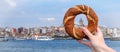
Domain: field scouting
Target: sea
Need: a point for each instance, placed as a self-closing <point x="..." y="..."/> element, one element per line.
<point x="50" y="46"/>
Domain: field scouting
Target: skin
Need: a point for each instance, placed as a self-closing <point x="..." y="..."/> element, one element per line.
<point x="96" y="42"/>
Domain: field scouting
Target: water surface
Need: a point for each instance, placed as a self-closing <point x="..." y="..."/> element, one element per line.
<point x="49" y="46"/>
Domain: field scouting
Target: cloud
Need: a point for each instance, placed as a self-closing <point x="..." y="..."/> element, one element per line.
<point x="11" y="3"/>
<point x="50" y="19"/>
<point x="47" y="19"/>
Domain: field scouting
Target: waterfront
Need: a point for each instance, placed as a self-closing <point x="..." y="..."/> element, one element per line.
<point x="49" y="46"/>
<point x="56" y="32"/>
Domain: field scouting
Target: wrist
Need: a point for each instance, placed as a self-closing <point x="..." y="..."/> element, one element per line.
<point x="104" y="48"/>
<point x="108" y="49"/>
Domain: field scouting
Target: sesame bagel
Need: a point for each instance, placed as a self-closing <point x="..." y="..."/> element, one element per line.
<point x="70" y="15"/>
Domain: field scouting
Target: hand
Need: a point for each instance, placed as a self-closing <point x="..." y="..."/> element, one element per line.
<point x="96" y="42"/>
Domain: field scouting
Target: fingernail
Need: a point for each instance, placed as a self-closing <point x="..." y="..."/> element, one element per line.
<point x="83" y="28"/>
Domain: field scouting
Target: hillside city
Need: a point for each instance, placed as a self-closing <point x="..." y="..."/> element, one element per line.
<point x="53" y="31"/>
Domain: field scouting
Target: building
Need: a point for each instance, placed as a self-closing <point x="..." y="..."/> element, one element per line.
<point x="37" y="30"/>
<point x="14" y="32"/>
<point x="20" y="30"/>
<point x="115" y="32"/>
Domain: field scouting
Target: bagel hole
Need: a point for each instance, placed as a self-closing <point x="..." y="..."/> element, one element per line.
<point x="80" y="21"/>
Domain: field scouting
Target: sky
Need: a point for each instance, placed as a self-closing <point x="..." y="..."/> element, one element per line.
<point x="35" y="13"/>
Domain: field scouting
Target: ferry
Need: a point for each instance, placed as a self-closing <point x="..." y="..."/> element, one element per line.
<point x="43" y="38"/>
<point x="2" y="38"/>
<point x="115" y="39"/>
<point x="19" y="38"/>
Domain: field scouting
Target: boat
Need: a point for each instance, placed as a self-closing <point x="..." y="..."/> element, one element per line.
<point x="115" y="39"/>
<point x="19" y="39"/>
<point x="2" y="38"/>
<point x="43" y="38"/>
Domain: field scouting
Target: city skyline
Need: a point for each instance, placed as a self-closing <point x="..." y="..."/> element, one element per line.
<point x="29" y="13"/>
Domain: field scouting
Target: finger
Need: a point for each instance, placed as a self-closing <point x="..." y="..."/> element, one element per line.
<point x="98" y="29"/>
<point x="84" y="42"/>
<point x="86" y="31"/>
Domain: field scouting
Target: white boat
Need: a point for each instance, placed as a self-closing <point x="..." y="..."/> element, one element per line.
<point x="43" y="38"/>
<point x="2" y="38"/>
<point x="115" y="39"/>
<point x="19" y="39"/>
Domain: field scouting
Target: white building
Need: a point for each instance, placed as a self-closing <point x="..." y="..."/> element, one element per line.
<point x="116" y="32"/>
